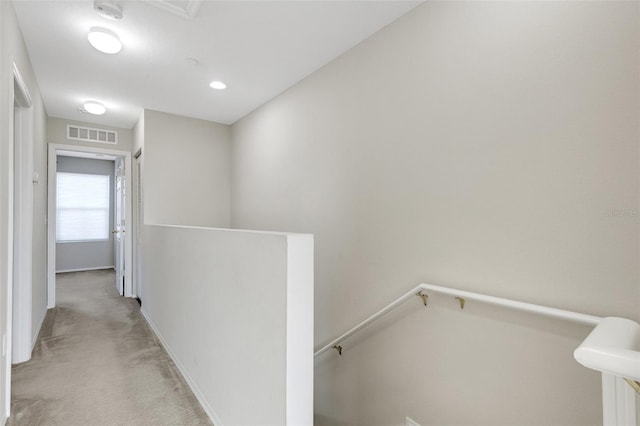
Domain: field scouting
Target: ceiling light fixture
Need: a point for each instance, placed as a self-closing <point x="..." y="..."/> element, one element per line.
<point x="95" y="108"/>
<point x="105" y="40"/>
<point x="218" y="85"/>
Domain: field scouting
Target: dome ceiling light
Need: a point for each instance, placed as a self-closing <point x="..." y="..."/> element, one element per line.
<point x="93" y="107"/>
<point x="218" y="85"/>
<point x="104" y="40"/>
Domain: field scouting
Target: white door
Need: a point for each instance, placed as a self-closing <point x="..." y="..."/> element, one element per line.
<point x="119" y="225"/>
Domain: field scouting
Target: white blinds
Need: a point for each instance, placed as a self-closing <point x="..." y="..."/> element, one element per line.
<point x="82" y="207"/>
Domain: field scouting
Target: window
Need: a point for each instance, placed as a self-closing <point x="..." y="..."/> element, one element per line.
<point x="82" y="207"/>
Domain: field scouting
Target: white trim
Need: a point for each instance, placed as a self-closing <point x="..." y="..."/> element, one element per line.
<point x="23" y="97"/>
<point x="54" y="150"/>
<point x="6" y="262"/>
<point x="34" y="340"/>
<point x="136" y="235"/>
<point x="23" y="234"/>
<point x="192" y="384"/>
<point x="82" y="241"/>
<point x="51" y="229"/>
<point x="19" y="294"/>
<point x="97" y="268"/>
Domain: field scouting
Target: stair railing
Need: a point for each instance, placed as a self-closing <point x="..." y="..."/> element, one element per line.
<point x="613" y="347"/>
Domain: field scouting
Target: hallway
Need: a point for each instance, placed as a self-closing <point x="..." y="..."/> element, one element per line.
<point x="98" y="363"/>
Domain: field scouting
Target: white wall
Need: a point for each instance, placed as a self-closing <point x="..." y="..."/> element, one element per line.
<point x="86" y="255"/>
<point x="491" y="146"/>
<point x="186" y="170"/>
<point x="57" y="133"/>
<point x="235" y="310"/>
<point x="12" y="49"/>
<point x="138" y="134"/>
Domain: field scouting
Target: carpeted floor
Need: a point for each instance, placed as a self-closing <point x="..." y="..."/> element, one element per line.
<point x="97" y="363"/>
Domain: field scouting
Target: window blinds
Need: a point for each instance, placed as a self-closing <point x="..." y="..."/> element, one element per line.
<point x="82" y="207"/>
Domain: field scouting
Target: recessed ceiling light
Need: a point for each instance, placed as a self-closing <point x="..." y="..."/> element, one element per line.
<point x="95" y="108"/>
<point x="104" y="40"/>
<point x="218" y="85"/>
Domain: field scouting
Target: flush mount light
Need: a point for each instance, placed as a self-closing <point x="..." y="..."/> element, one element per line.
<point x="218" y="85"/>
<point x="104" y="40"/>
<point x="95" y="108"/>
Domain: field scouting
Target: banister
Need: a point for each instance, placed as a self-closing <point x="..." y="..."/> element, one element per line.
<point x="462" y="296"/>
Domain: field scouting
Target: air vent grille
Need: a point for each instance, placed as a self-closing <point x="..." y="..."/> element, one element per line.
<point x="90" y="134"/>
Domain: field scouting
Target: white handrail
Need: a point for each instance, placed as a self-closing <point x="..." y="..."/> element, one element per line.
<point x="518" y="306"/>
<point x="391" y="306"/>
<point x="467" y="295"/>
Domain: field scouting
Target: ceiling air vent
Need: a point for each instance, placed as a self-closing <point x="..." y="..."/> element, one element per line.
<point x="89" y="134"/>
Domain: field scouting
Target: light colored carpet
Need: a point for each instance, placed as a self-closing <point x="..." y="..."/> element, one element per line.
<point x="98" y="363"/>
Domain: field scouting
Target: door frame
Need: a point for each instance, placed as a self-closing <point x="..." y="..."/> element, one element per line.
<point x="138" y="221"/>
<point x="22" y="132"/>
<point x="62" y="149"/>
<point x="16" y="173"/>
<point x="119" y="237"/>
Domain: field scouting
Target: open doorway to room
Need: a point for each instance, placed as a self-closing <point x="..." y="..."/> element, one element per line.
<point x="89" y="212"/>
<point x="85" y="214"/>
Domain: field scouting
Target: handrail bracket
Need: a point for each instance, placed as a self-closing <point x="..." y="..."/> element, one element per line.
<point x="462" y="301"/>
<point x="424" y="297"/>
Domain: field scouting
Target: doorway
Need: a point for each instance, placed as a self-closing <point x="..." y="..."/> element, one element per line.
<point x="120" y="196"/>
<point x="85" y="214"/>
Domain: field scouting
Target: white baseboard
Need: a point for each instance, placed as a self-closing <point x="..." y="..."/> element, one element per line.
<point x="35" y="336"/>
<point x="192" y="384"/>
<point x="85" y="269"/>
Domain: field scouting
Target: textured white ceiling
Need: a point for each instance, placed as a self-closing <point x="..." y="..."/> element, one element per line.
<point x="259" y="48"/>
